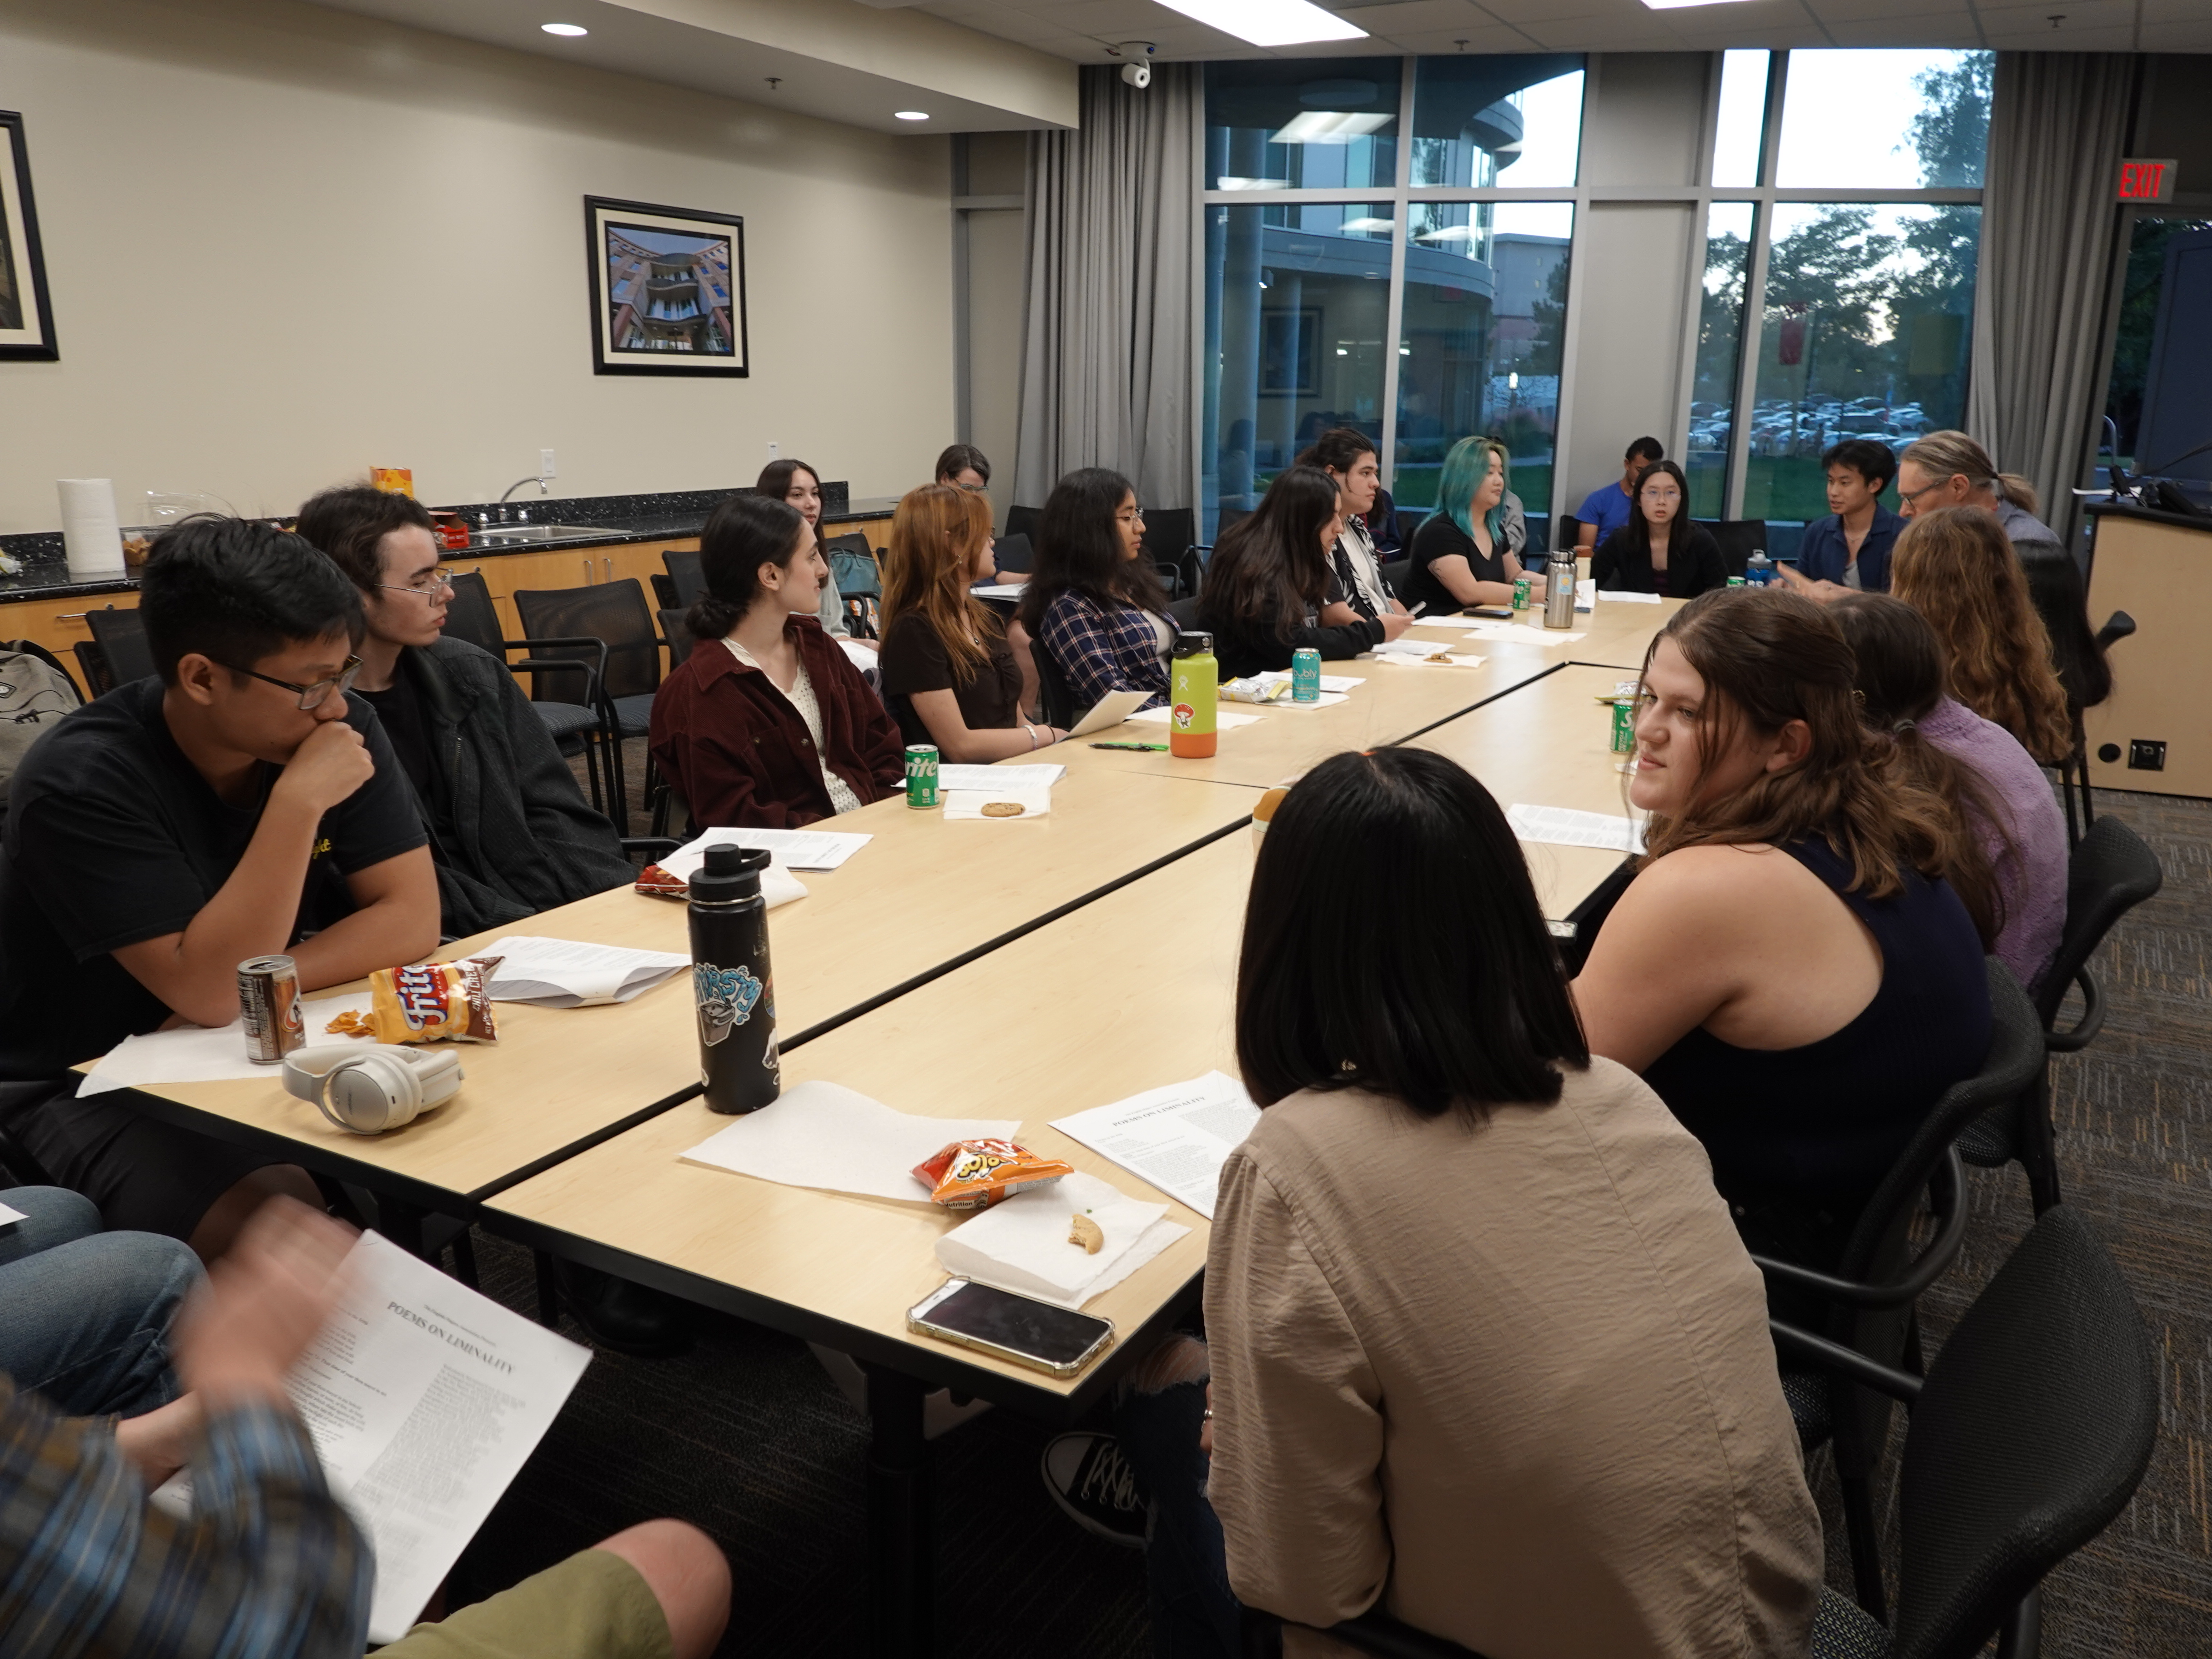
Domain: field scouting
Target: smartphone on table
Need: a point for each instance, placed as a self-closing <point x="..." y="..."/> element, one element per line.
<point x="1020" y="1328"/>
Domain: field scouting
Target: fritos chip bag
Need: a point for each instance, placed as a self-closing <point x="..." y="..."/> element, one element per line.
<point x="423" y="1004"/>
<point x="657" y="883"/>
<point x="973" y="1175"/>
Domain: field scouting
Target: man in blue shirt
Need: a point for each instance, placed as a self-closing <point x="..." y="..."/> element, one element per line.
<point x="1849" y="552"/>
<point x="1605" y="509"/>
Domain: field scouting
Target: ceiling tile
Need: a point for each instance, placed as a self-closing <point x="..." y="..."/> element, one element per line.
<point x="1901" y="32"/>
<point x="1418" y="16"/>
<point x="1603" y="34"/>
<point x="2176" y="11"/>
<point x="2119" y="38"/>
<point x="2077" y="15"/>
<point x="1832" y="12"/>
<point x="2178" y="36"/>
<point x="1479" y="38"/>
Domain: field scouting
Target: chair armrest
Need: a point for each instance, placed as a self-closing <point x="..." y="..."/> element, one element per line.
<point x="2084" y="1030"/>
<point x="1926" y="1269"/>
<point x="595" y="671"/>
<point x="1791" y="1342"/>
<point x="2118" y="627"/>
<point x="652" y="847"/>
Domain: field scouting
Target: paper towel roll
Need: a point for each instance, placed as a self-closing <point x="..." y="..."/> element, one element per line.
<point x="89" y="530"/>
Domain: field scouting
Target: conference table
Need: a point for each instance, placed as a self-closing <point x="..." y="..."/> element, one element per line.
<point x="1016" y="969"/>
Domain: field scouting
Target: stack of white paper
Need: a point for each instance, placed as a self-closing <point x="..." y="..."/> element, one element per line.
<point x="1612" y="593"/>
<point x="873" y="1149"/>
<point x="1021" y="1245"/>
<point x="561" y="973"/>
<point x="1563" y="826"/>
<point x="794" y="849"/>
<point x="1176" y="1137"/>
<point x="199" y="1053"/>
<point x="951" y="776"/>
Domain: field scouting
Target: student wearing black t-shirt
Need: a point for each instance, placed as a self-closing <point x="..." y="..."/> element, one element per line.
<point x="949" y="678"/>
<point x="510" y="831"/>
<point x="240" y="807"/>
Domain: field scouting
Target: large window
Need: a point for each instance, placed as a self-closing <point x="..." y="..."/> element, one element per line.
<point x="2147" y="240"/>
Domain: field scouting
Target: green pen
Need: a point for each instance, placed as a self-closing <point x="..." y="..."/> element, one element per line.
<point x="1154" y="746"/>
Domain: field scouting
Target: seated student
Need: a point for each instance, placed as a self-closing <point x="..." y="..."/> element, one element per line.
<point x="1607" y="508"/>
<point x="1267" y="582"/>
<point x="1094" y="603"/>
<point x="238" y="805"/>
<point x="1484" y="1351"/>
<point x="949" y="678"/>
<point x="1956" y="567"/>
<point x="510" y="831"/>
<point x="1848" y="552"/>
<point x="964" y="466"/>
<point x="1355" y="577"/>
<point x="799" y="486"/>
<point x="1959" y="757"/>
<point x="1784" y="969"/>
<point x="1660" y="549"/>
<point x="772" y="726"/>
<point x="2055" y="588"/>
<point x="1949" y="468"/>
<point x="1468" y="550"/>
<point x="270" y="1563"/>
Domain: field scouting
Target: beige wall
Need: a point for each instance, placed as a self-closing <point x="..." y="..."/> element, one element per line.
<point x="286" y="243"/>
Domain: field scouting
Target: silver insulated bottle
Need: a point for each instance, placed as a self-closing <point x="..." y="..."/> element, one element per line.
<point x="1560" y="590"/>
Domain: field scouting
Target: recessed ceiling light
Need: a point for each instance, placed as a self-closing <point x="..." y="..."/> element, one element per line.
<point x="1676" y="5"/>
<point x="1328" y="126"/>
<point x="912" y="114"/>
<point x="1269" y="22"/>
<point x="569" y="30"/>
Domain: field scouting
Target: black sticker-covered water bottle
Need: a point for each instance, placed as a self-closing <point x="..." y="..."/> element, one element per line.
<point x="731" y="981"/>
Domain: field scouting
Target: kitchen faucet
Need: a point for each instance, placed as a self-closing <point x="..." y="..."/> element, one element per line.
<point x="539" y="479"/>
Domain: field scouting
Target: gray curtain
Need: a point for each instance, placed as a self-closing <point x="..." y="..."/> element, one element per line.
<point x="2056" y="138"/>
<point x="1107" y="338"/>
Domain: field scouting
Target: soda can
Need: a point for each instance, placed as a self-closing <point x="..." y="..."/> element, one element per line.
<point x="1306" y="676"/>
<point x="1520" y="592"/>
<point x="269" y="998"/>
<point x="1735" y="582"/>
<point x="921" y="775"/>
<point x="1624" y="728"/>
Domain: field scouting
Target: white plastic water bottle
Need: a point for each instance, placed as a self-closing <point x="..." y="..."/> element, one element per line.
<point x="1759" y="569"/>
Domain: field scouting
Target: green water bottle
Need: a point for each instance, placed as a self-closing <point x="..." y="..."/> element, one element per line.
<point x="1193" y="684"/>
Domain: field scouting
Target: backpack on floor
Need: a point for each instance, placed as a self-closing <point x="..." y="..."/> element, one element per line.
<point x="34" y="693"/>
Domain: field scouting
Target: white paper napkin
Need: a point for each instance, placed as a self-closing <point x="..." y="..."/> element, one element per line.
<point x="200" y="1053"/>
<point x="1034" y="800"/>
<point x="825" y="1135"/>
<point x="1021" y="1245"/>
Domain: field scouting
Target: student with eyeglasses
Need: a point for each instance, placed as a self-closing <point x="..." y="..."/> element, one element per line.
<point x="1660" y="549"/>
<point x="239" y="805"/>
<point x="510" y="830"/>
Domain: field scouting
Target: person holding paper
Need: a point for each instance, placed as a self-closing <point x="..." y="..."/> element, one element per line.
<point x="1265" y="592"/>
<point x="238" y="805"/>
<point x="1484" y="1350"/>
<point x="511" y="833"/>
<point x="1468" y="550"/>
<point x="950" y="677"/>
<point x="1791" y="969"/>
<point x="774" y="728"/>
<point x="270" y="1563"/>
<point x="1094" y="603"/>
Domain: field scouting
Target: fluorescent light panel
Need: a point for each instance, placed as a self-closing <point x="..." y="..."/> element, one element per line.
<point x="1328" y="126"/>
<point x="1677" y="5"/>
<point x="1269" y="22"/>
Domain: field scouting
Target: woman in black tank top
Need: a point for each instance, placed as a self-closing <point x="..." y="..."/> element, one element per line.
<point x="1790" y="971"/>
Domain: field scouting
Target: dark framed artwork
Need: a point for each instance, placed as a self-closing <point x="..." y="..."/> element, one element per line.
<point x="1290" y="353"/>
<point x="27" y="316"/>
<point x="668" y="289"/>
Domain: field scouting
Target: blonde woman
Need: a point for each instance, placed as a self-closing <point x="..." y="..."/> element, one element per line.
<point x="1956" y="567"/>
<point x="950" y="677"/>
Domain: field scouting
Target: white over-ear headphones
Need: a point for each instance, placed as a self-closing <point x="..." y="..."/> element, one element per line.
<point x="370" y="1090"/>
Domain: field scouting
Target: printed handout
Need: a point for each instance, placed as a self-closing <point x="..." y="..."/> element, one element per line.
<point x="1562" y="826"/>
<point x="1176" y="1137"/>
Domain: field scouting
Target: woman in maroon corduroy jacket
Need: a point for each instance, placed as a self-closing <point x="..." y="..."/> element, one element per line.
<point x="767" y="725"/>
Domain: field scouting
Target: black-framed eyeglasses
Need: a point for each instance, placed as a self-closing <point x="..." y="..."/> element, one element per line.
<point x="1910" y="496"/>
<point x="438" y="585"/>
<point x="311" y="696"/>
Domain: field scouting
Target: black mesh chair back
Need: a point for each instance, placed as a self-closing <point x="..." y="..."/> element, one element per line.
<point x="1014" y="553"/>
<point x="664" y="591"/>
<point x="1053" y="691"/>
<point x="1230" y="519"/>
<point x="1570" y="531"/>
<point x="687" y="575"/>
<point x="1185" y="612"/>
<point x="2109" y="873"/>
<point x="471" y="615"/>
<point x="680" y="639"/>
<point x="1168" y="531"/>
<point x="121" y="635"/>
<point x="92" y="667"/>
<point x="1738" y="538"/>
<point x="1393" y="577"/>
<point x="1021" y="521"/>
<point x="614" y="611"/>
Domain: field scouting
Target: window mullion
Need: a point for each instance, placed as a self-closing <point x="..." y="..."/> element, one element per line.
<point x="1394" y="310"/>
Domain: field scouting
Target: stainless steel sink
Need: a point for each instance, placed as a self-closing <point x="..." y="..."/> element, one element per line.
<point x="492" y="535"/>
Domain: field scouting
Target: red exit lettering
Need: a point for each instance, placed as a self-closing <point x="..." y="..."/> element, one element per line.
<point x="2147" y="181"/>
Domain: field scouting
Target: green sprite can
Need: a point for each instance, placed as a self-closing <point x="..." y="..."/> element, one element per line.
<point x="1520" y="592"/>
<point x="921" y="775"/>
<point x="1624" y="727"/>
<point x="1735" y="582"/>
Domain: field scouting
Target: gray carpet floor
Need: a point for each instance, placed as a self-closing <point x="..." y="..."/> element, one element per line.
<point x="748" y="1437"/>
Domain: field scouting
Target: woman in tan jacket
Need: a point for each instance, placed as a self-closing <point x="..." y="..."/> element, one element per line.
<point x="1484" y="1348"/>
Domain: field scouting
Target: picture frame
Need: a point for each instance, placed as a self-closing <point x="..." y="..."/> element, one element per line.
<point x="27" y="315"/>
<point x="1290" y="353"/>
<point x="668" y="289"/>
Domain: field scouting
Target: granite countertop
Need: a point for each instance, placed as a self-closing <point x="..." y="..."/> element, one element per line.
<point x="595" y="521"/>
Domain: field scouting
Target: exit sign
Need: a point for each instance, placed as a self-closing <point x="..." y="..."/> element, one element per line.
<point x="2147" y="181"/>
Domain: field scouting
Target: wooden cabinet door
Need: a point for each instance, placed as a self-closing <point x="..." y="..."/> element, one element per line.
<point x="58" y="624"/>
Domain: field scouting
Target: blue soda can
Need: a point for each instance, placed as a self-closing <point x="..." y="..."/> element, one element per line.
<point x="1306" y="676"/>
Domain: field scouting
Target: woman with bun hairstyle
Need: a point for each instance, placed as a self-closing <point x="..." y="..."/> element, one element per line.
<point x="767" y="724"/>
<point x="1789" y="970"/>
<point x="1660" y="549"/>
<point x="2009" y="866"/>
<point x="950" y="677"/>
<point x="1094" y="603"/>
<point x="798" y="487"/>
<point x="1267" y="582"/>
<point x="1957" y="567"/>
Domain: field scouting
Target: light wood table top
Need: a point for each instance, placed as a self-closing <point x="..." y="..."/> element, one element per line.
<point x="1133" y="991"/>
<point x="924" y="892"/>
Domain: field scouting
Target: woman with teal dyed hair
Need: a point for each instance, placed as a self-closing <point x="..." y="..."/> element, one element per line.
<point x="1468" y="550"/>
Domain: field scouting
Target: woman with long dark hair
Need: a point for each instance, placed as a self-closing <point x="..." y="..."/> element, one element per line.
<point x="1094" y="603"/>
<point x="1268" y="580"/>
<point x="767" y="723"/>
<point x="1660" y="549"/>
<point x="1789" y="970"/>
<point x="2055" y="588"/>
<point x="1475" y="1318"/>
<point x="798" y="487"/>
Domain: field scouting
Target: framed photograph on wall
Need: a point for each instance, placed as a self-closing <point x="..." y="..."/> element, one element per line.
<point x="26" y="317"/>
<point x="668" y="289"/>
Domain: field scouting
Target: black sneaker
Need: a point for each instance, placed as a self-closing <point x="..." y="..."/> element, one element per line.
<point x="1093" y="1483"/>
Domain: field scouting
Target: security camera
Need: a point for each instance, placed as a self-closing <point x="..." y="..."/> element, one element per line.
<point x="1138" y="75"/>
<point x="1138" y="71"/>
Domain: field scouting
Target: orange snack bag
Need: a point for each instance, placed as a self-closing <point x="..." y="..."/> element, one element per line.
<point x="424" y="1003"/>
<point x="973" y="1175"/>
